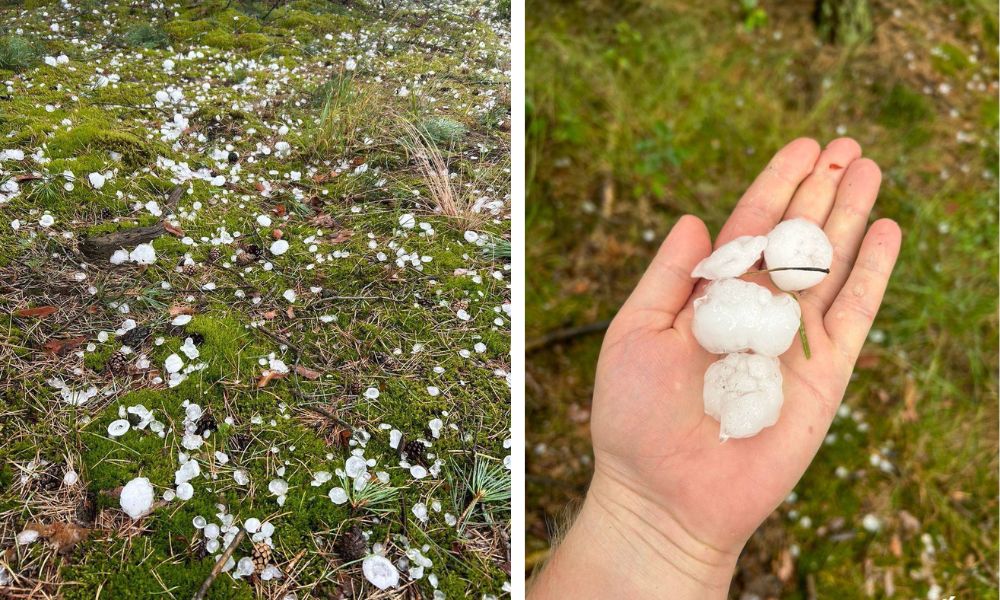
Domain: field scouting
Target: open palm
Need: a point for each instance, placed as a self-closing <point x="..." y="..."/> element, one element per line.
<point x="657" y="453"/>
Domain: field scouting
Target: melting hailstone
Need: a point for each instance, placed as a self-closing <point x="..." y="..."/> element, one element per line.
<point x="736" y="315"/>
<point x="137" y="497"/>
<point x="380" y="571"/>
<point x="797" y="243"/>
<point x="743" y="393"/>
<point x="732" y="259"/>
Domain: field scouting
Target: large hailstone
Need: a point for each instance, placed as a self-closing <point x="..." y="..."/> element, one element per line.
<point x="736" y="315"/>
<point x="380" y="571"/>
<point x="797" y="243"/>
<point x="732" y="259"/>
<point x="743" y="393"/>
<point x="137" y="497"/>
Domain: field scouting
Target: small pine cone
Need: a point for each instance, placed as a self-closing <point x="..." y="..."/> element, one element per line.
<point x="50" y="479"/>
<point x="254" y="250"/>
<point x="261" y="556"/>
<point x="244" y="258"/>
<point x="214" y="254"/>
<point x="351" y="545"/>
<point x="206" y="423"/>
<point x="415" y="451"/>
<point x="134" y="337"/>
<point x="117" y="364"/>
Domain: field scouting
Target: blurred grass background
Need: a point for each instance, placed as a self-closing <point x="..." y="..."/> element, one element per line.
<point x="643" y="110"/>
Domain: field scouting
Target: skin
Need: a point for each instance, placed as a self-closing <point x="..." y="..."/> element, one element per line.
<point x="670" y="507"/>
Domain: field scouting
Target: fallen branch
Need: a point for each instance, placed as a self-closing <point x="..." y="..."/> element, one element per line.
<point x="219" y="564"/>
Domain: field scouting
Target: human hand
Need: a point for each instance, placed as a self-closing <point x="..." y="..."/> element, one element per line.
<point x="670" y="506"/>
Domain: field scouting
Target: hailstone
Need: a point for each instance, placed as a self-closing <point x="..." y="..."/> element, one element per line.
<point x="732" y="259"/>
<point x="736" y="315"/>
<point x="743" y="393"/>
<point x="797" y="243"/>
<point x="137" y="497"/>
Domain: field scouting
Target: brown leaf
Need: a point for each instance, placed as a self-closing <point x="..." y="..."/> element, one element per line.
<point x="341" y="236"/>
<point x="27" y="177"/>
<point x="180" y="309"/>
<point x="307" y="372"/>
<point x="896" y="546"/>
<point x="260" y="186"/>
<point x="324" y="220"/>
<point x="324" y="177"/>
<point x="290" y="312"/>
<point x="277" y="234"/>
<point x="280" y="210"/>
<point x="62" y="535"/>
<point x="270" y="315"/>
<point x="63" y="345"/>
<point x="357" y="161"/>
<point x="910" y="401"/>
<point x="786" y="568"/>
<point x="267" y="377"/>
<point x="172" y="229"/>
<point x="37" y="311"/>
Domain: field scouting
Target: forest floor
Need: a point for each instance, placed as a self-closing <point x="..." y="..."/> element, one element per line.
<point x="257" y="255"/>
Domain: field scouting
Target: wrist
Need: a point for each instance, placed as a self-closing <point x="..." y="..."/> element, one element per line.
<point x="622" y="544"/>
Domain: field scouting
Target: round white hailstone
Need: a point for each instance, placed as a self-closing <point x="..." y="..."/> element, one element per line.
<point x="736" y="315"/>
<point x="212" y="545"/>
<point x="270" y="572"/>
<point x="355" y="466"/>
<point x="380" y="572"/>
<point x="168" y="65"/>
<point x="47" y="220"/>
<point x="144" y="254"/>
<point x="187" y="472"/>
<point x="279" y="247"/>
<point x="118" y="428"/>
<point x="471" y="237"/>
<point x="185" y="491"/>
<point x="743" y="392"/>
<point x="241" y="477"/>
<point x="871" y="523"/>
<point x="199" y="522"/>
<point x="435" y="427"/>
<point x="267" y="528"/>
<point x="245" y="566"/>
<point x="137" y="497"/>
<point x="70" y="477"/>
<point x="252" y="525"/>
<point x="173" y="363"/>
<point x="797" y="243"/>
<point x="407" y="221"/>
<point x="732" y="259"/>
<point x="211" y="531"/>
<point x="96" y="180"/>
<point x="264" y="221"/>
<point x="418" y="472"/>
<point x="119" y="256"/>
<point x="338" y="495"/>
<point x="395" y="436"/>
<point x="193" y="411"/>
<point x="278" y="487"/>
<point x="26" y="537"/>
<point x="181" y="320"/>
<point x="289" y="295"/>
<point x="371" y="393"/>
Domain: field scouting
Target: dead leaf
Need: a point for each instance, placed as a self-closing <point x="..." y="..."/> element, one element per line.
<point x="37" y="311"/>
<point x="896" y="546"/>
<point x="277" y="234"/>
<point x="910" y="401"/>
<point x="341" y="236"/>
<point x="324" y="220"/>
<point x="307" y="372"/>
<point x="869" y="360"/>
<point x="267" y="377"/>
<point x="63" y="536"/>
<point x="180" y="309"/>
<point x="324" y="177"/>
<point x="172" y="229"/>
<point x="786" y="568"/>
<point x="270" y="315"/>
<point x="64" y="345"/>
<point x="280" y="210"/>
<point x="260" y="186"/>
<point x="290" y="312"/>
<point x="357" y="161"/>
<point x="27" y="177"/>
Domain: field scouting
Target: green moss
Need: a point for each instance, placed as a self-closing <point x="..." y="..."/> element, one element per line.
<point x="147" y="36"/>
<point x="102" y="137"/>
<point x="182" y="30"/>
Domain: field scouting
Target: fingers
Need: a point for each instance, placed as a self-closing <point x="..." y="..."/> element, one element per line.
<point x="851" y="315"/>
<point x="765" y="201"/>
<point x="814" y="198"/>
<point x="667" y="283"/>
<point x="846" y="227"/>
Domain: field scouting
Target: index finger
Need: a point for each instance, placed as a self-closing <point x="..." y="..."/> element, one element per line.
<point x="765" y="201"/>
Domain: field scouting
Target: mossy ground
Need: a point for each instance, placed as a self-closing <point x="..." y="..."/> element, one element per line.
<point x="360" y="319"/>
<point x="674" y="108"/>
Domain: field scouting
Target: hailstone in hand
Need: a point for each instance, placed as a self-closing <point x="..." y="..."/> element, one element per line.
<point x="743" y="393"/>
<point x="732" y="259"/>
<point x="736" y="315"/>
<point x="797" y="243"/>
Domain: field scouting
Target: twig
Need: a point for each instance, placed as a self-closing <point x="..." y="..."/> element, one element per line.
<point x="219" y="564"/>
<point x="563" y="335"/>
